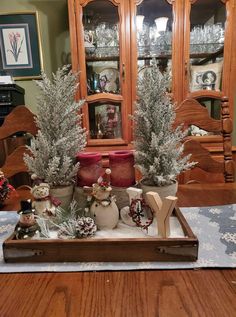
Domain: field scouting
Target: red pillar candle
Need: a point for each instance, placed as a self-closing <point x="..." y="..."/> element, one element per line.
<point x="122" y="168"/>
<point x="90" y="168"/>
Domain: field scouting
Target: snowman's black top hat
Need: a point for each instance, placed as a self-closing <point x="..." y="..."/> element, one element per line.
<point x="26" y="207"/>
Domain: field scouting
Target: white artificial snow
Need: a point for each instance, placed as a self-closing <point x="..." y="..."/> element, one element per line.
<point x="124" y="231"/>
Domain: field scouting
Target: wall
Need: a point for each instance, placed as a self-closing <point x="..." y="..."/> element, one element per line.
<point x="54" y="31"/>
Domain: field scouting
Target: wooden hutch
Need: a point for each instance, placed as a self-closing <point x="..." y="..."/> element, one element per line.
<point x="113" y="41"/>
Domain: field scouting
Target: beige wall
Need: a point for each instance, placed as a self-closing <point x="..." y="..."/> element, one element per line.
<point x="54" y="31"/>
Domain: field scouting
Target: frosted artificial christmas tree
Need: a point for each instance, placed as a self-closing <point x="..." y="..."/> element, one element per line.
<point x="158" y="147"/>
<point x="60" y="135"/>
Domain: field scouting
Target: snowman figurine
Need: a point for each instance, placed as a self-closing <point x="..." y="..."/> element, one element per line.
<point x="103" y="208"/>
<point x="44" y="204"/>
<point x="27" y="227"/>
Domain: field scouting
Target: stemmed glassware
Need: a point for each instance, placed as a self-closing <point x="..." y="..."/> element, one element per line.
<point x="105" y="40"/>
<point x="207" y="38"/>
<point x="203" y="39"/>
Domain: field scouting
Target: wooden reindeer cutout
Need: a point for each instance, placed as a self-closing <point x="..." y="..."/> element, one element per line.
<point x="162" y="210"/>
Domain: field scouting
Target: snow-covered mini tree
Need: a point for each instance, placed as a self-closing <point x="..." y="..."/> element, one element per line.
<point x="158" y="147"/>
<point x="60" y="135"/>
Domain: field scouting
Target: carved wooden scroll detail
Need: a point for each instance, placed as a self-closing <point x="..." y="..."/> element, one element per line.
<point x="83" y="3"/>
<point x="19" y="119"/>
<point x="193" y="1"/>
<point x="190" y="111"/>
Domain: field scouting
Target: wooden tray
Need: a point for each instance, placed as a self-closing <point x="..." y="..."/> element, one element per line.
<point x="105" y="250"/>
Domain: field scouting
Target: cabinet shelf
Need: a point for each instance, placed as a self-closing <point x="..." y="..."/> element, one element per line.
<point x="101" y="59"/>
<point x="206" y="55"/>
<point x="149" y="56"/>
<point x="106" y="53"/>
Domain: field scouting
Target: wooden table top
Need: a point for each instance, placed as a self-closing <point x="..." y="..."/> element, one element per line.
<point x="164" y="293"/>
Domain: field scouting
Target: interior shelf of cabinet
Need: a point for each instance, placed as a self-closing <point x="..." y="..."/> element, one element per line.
<point x="143" y="57"/>
<point x="116" y="58"/>
<point x="204" y="55"/>
<point x="208" y="57"/>
<point x="102" y="58"/>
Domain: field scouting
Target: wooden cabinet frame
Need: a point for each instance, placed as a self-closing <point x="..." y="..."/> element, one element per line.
<point x="79" y="64"/>
<point x="128" y="56"/>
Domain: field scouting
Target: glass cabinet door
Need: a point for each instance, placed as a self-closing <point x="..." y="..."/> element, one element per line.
<point x="101" y="42"/>
<point x="104" y="65"/>
<point x="154" y="34"/>
<point x="105" y="120"/>
<point x="206" y="45"/>
<point x="151" y="38"/>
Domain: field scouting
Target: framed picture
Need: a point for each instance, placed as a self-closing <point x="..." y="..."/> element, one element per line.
<point x="20" y="45"/>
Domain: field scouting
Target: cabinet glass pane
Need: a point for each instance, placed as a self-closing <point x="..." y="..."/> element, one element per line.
<point x="154" y="33"/>
<point x="207" y="27"/>
<point x="101" y="41"/>
<point x="105" y="120"/>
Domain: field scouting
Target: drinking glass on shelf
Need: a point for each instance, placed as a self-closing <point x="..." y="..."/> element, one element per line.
<point x="207" y="38"/>
<point x="143" y="38"/>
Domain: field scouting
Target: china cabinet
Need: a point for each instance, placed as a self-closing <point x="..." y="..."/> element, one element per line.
<point x="114" y="41"/>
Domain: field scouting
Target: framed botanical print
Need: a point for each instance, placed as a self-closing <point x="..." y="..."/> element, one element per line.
<point x="20" y="45"/>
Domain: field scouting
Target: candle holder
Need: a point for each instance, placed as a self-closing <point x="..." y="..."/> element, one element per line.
<point x="90" y="168"/>
<point x="122" y="168"/>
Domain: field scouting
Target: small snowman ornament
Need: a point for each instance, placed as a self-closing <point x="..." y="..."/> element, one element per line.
<point x="103" y="208"/>
<point x="44" y="204"/>
<point x="27" y="227"/>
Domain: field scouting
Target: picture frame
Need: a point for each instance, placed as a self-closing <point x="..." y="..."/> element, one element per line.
<point x="20" y="45"/>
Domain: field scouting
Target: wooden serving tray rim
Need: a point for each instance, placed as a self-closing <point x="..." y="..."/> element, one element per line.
<point x="189" y="236"/>
<point x="146" y="249"/>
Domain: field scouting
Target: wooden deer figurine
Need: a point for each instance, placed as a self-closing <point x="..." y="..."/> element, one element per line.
<point x="162" y="210"/>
